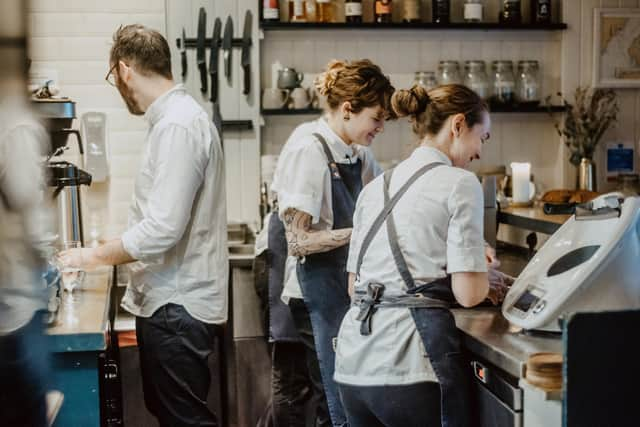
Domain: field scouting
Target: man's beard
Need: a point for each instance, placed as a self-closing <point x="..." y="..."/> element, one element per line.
<point x="127" y="97"/>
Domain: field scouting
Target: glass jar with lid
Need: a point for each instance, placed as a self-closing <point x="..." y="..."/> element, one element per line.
<point x="475" y="77"/>
<point x="503" y="83"/>
<point x="528" y="83"/>
<point x="449" y="73"/>
<point x="426" y="79"/>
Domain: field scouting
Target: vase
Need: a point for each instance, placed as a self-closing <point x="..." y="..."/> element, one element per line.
<point x="586" y="175"/>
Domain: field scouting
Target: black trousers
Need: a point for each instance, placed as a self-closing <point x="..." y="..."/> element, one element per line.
<point x="392" y="406"/>
<point x="174" y="348"/>
<point x="24" y="368"/>
<point x="305" y="364"/>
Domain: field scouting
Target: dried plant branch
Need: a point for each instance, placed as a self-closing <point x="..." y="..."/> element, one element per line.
<point x="586" y="120"/>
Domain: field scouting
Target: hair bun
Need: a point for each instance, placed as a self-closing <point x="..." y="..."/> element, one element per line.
<point x="410" y="102"/>
<point x="327" y="80"/>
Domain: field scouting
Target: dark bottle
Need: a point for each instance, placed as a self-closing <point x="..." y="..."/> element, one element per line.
<point x="510" y="13"/>
<point x="382" y="11"/>
<point x="353" y="11"/>
<point x="440" y="10"/>
<point x="540" y="11"/>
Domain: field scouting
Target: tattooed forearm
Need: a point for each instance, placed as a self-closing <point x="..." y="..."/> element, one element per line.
<point x="302" y="240"/>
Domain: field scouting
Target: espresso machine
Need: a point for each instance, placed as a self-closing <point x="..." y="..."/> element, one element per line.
<point x="63" y="178"/>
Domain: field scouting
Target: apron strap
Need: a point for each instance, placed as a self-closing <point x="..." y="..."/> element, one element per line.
<point x="333" y="168"/>
<point x="386" y="210"/>
<point x="392" y="234"/>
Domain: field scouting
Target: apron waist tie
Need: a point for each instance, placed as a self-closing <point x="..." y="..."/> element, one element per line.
<point x="369" y="301"/>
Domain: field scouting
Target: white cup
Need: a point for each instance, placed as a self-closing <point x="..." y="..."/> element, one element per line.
<point x="274" y="97"/>
<point x="300" y="98"/>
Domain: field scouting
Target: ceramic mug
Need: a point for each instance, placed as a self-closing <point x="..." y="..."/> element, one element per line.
<point x="274" y="98"/>
<point x="299" y="98"/>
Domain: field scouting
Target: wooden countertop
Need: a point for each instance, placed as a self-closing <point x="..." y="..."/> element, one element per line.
<point x="83" y="317"/>
<point x="531" y="218"/>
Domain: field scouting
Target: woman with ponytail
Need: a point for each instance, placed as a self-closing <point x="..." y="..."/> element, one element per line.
<point x="321" y="170"/>
<point x="416" y="247"/>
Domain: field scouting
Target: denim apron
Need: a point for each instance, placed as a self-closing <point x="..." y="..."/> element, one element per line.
<point x="324" y="279"/>
<point x="429" y="306"/>
<point x="281" y="326"/>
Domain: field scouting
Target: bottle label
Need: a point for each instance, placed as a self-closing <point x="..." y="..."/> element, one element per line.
<point x="544" y="8"/>
<point x="323" y="1"/>
<point x="383" y="8"/>
<point x="473" y="12"/>
<point x="271" y="13"/>
<point x="298" y="8"/>
<point x="353" y="9"/>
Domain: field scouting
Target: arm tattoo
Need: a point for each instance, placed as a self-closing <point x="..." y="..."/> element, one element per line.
<point x="302" y="240"/>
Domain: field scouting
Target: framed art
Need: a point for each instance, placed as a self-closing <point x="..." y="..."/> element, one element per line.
<point x="616" y="53"/>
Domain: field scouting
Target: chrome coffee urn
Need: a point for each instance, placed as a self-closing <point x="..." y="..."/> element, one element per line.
<point x="64" y="178"/>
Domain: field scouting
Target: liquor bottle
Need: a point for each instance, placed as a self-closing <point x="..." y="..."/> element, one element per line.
<point x="411" y="11"/>
<point x="440" y="11"/>
<point x="382" y="11"/>
<point x="324" y="11"/>
<point x="353" y="11"/>
<point x="541" y="11"/>
<point x="297" y="11"/>
<point x="270" y="10"/>
<point x="510" y="12"/>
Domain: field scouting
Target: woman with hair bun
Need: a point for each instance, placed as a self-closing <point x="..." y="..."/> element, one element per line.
<point x="416" y="247"/>
<point x="320" y="172"/>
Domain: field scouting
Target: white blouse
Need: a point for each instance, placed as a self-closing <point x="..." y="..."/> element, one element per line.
<point x="440" y="231"/>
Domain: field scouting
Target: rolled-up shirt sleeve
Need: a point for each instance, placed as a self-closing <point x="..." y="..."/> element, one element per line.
<point x="304" y="172"/>
<point x="180" y="160"/>
<point x="465" y="242"/>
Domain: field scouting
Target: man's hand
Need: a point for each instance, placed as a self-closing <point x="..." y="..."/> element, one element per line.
<point x="499" y="284"/>
<point x="82" y="258"/>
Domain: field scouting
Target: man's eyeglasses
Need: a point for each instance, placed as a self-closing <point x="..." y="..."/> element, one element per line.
<point x="484" y="138"/>
<point x="110" y="77"/>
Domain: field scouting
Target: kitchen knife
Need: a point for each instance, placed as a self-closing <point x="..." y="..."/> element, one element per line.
<point x="200" y="49"/>
<point x="213" y="72"/>
<point x="213" y="59"/>
<point x="227" y="42"/>
<point x="183" y="55"/>
<point x="246" y="52"/>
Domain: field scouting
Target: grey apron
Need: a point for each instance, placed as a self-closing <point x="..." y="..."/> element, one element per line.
<point x="429" y="306"/>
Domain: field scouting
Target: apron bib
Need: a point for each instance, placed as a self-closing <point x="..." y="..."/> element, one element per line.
<point x="324" y="280"/>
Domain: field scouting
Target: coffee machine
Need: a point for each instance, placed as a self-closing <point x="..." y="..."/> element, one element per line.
<point x="63" y="178"/>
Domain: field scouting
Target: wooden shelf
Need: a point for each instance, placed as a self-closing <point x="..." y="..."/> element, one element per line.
<point x="484" y="26"/>
<point x="523" y="109"/>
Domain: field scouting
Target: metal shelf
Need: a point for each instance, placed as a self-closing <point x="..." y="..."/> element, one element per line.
<point x="483" y="26"/>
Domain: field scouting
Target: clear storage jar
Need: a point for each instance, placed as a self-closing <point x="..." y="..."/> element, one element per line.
<point x="449" y="73"/>
<point x="528" y="83"/>
<point x="426" y="79"/>
<point x="475" y="77"/>
<point x="503" y="83"/>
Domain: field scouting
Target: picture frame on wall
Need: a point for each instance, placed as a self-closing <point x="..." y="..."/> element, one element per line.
<point x="616" y="52"/>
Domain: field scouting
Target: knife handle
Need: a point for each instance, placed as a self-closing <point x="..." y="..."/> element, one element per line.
<point x="214" y="88"/>
<point x="247" y="80"/>
<point x="203" y="78"/>
<point x="183" y="57"/>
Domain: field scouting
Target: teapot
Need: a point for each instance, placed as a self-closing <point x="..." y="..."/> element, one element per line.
<point x="289" y="78"/>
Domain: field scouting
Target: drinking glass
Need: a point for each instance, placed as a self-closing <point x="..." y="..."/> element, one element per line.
<point x="72" y="275"/>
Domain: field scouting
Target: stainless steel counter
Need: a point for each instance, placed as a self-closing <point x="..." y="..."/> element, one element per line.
<point x="83" y="317"/>
<point x="488" y="334"/>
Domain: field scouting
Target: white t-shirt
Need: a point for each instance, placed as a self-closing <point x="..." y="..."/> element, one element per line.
<point x="302" y="181"/>
<point x="439" y="221"/>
